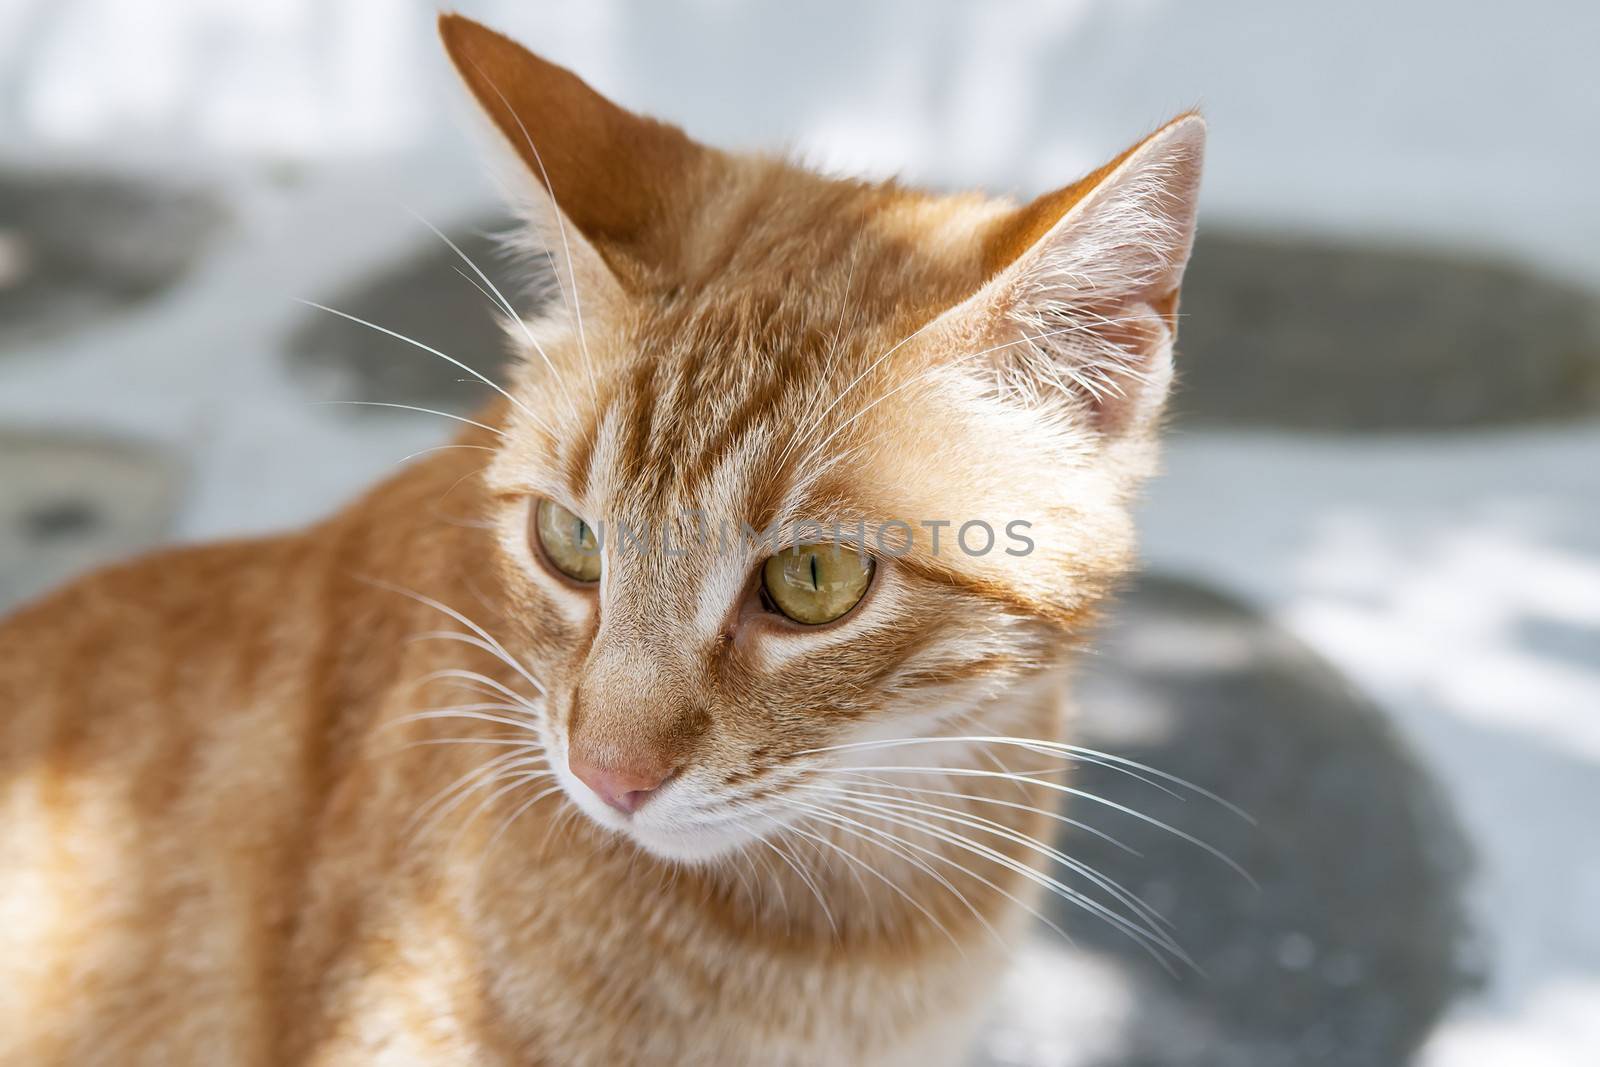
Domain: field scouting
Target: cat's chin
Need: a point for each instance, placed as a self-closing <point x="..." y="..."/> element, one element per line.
<point x="676" y="841"/>
<point x="689" y="846"/>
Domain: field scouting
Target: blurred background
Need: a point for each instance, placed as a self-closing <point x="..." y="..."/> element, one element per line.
<point x="1370" y="609"/>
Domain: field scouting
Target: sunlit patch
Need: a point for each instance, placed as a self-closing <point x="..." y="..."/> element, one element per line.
<point x="1440" y="613"/>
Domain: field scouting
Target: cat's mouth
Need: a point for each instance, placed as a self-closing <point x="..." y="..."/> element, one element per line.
<point x="668" y="824"/>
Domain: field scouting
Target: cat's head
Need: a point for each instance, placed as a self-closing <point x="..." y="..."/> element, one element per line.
<point x="749" y="372"/>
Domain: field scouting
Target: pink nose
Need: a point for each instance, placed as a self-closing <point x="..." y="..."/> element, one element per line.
<point x="624" y="788"/>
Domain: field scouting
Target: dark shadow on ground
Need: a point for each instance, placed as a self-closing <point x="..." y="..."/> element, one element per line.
<point x="1301" y="333"/>
<point x="76" y="246"/>
<point x="429" y="296"/>
<point x="1356" y="940"/>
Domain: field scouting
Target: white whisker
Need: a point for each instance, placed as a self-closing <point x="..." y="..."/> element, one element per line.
<point x="806" y="878"/>
<point x="510" y="741"/>
<point x="970" y="772"/>
<point x="900" y="843"/>
<point x="465" y="677"/>
<point x="490" y="644"/>
<point x="410" y="407"/>
<point x="488" y="771"/>
<point x="517" y="780"/>
<point x="844" y="823"/>
<point x="576" y="305"/>
<point x="1051" y="748"/>
<point x="434" y="351"/>
<point x="852" y="858"/>
<point x="525" y="724"/>
<point x="1147" y="938"/>
<point x="979" y="798"/>
<point x="512" y="818"/>
<point x="504" y="304"/>
<point x="971" y="820"/>
<point x="441" y="448"/>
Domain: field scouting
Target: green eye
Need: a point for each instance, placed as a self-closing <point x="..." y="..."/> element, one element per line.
<point x="816" y="583"/>
<point x="568" y="542"/>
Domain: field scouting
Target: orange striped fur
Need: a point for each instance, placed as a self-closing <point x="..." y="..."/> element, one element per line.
<point x="222" y="840"/>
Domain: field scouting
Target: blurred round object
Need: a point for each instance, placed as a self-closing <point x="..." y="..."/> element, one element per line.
<point x="1303" y="334"/>
<point x="70" y="502"/>
<point x="74" y="247"/>
<point x="15" y="259"/>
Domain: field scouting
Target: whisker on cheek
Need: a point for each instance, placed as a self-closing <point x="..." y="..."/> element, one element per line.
<point x="510" y="820"/>
<point x="888" y="803"/>
<point x="431" y="814"/>
<point x="843" y="823"/>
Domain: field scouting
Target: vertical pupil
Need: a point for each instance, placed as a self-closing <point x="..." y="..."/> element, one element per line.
<point x="814" y="584"/>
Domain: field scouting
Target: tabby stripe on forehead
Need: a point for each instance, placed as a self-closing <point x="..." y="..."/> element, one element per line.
<point x="585" y="442"/>
<point x="661" y="441"/>
<point x="638" y="431"/>
<point x="761" y="402"/>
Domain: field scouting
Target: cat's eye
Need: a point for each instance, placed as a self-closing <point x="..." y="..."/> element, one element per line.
<point x="816" y="583"/>
<point x="568" y="542"/>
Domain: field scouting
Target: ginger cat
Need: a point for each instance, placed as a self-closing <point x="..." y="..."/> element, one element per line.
<point x="535" y="789"/>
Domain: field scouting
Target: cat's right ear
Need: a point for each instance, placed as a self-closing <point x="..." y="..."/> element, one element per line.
<point x="1080" y="309"/>
<point x="609" y="187"/>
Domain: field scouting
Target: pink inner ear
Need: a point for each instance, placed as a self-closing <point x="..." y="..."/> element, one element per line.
<point x="1091" y="304"/>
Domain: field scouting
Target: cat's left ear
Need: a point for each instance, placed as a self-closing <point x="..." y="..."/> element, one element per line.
<point x="1080" y="309"/>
